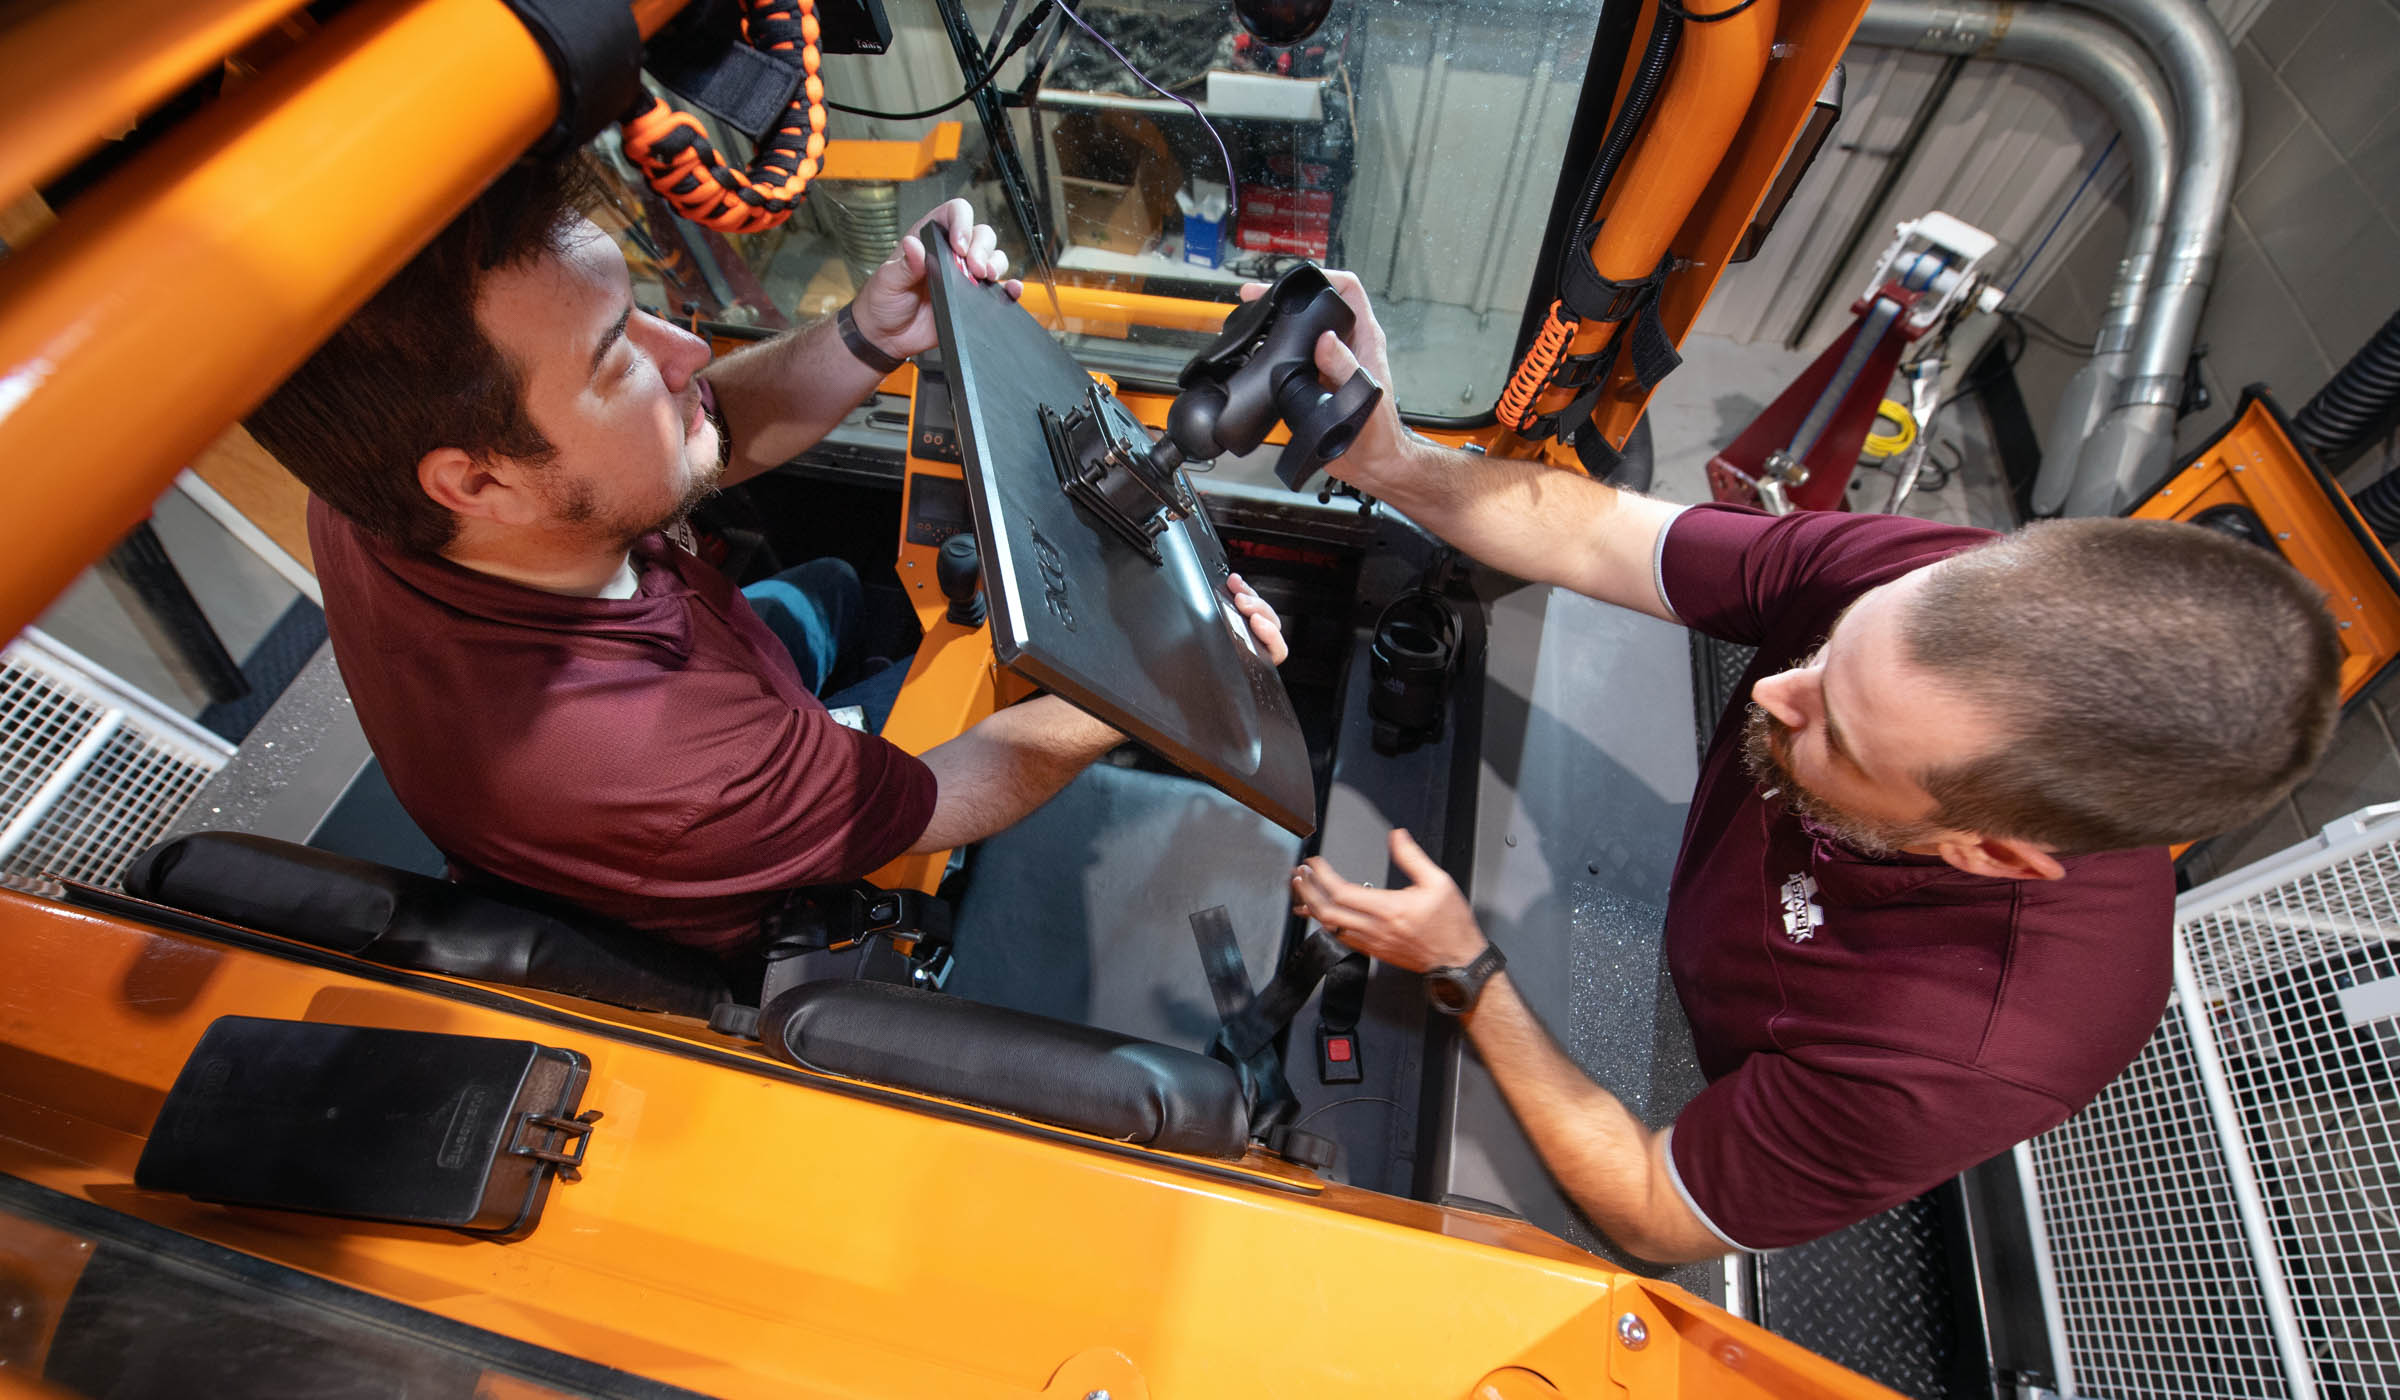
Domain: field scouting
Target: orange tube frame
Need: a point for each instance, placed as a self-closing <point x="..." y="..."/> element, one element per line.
<point x="1715" y="71"/>
<point x="247" y="236"/>
<point x="76" y="73"/>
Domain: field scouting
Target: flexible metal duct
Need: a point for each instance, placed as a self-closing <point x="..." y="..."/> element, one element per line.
<point x="2134" y="446"/>
<point x="2100" y="59"/>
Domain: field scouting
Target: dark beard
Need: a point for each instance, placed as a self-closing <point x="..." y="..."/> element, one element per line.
<point x="1765" y="741"/>
<point x="701" y="489"/>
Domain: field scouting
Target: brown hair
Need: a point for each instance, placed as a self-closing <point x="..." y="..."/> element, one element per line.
<point x="2152" y="681"/>
<point x="412" y="370"/>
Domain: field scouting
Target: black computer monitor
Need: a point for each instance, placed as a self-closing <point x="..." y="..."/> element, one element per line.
<point x="1154" y="648"/>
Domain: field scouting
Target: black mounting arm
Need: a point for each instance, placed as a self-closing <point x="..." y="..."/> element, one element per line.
<point x="1262" y="369"/>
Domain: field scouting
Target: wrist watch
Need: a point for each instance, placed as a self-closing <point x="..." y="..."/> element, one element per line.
<point x="866" y="350"/>
<point x="1454" y="990"/>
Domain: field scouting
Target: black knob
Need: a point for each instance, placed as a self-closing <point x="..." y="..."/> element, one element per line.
<point x="958" y="572"/>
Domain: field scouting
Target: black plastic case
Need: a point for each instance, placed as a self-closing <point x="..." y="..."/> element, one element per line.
<point x="417" y="1127"/>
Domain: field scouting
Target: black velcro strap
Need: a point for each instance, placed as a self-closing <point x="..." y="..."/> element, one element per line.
<point x="1654" y="355"/>
<point x="1583" y="371"/>
<point x="595" y="50"/>
<point x="1599" y="456"/>
<point x="1596" y="298"/>
<point x="748" y="90"/>
<point x="1645" y="342"/>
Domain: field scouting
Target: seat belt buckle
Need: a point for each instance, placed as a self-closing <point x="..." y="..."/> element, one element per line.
<point x="1337" y="1056"/>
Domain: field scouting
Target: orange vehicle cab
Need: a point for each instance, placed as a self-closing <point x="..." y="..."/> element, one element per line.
<point x="280" y="1114"/>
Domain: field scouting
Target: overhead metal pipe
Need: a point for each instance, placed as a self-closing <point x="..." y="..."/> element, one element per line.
<point x="2134" y="446"/>
<point x="2102" y="61"/>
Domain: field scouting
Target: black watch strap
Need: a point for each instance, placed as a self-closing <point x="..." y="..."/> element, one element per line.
<point x="1455" y="990"/>
<point x="862" y="347"/>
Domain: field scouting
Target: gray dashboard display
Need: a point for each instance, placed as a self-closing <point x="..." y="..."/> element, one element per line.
<point x="1154" y="648"/>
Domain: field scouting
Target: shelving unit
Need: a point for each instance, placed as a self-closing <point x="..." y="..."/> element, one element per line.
<point x="1157" y="264"/>
<point x="1052" y="102"/>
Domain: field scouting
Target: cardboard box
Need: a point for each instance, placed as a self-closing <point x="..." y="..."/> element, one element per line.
<point x="1103" y="214"/>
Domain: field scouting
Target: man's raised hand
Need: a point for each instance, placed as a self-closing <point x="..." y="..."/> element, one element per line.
<point x="1265" y="627"/>
<point x="895" y="311"/>
<point x="1383" y="449"/>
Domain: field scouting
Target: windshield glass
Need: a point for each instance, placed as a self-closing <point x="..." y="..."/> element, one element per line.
<point x="1415" y="144"/>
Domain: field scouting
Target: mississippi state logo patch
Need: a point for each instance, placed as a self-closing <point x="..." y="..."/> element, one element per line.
<point x="1801" y="916"/>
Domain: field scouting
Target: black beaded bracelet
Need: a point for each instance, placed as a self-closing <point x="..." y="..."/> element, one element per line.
<point x="865" y="349"/>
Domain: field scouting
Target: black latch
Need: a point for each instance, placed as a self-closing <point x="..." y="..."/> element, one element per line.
<point x="564" y="1132"/>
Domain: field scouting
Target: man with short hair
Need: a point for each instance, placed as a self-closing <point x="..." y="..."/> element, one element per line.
<point x="1921" y="911"/>
<point x="499" y="445"/>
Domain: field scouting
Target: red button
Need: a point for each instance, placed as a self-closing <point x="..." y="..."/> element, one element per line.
<point x="1338" y="1049"/>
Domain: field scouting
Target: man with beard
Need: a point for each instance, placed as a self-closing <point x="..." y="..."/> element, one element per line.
<point x="501" y="447"/>
<point x="1922" y="909"/>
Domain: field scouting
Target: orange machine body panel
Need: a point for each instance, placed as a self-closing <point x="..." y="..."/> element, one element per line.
<point x="743" y="1228"/>
<point x="2255" y="466"/>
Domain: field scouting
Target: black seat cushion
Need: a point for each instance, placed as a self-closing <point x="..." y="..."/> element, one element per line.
<point x="1082" y="1077"/>
<point x="413" y="921"/>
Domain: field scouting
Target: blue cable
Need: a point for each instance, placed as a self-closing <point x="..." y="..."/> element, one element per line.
<point x="2027" y="265"/>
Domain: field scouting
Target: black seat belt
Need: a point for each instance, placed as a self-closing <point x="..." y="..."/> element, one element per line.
<point x="1250" y="1021"/>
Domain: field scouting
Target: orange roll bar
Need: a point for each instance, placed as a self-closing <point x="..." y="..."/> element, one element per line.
<point x="77" y="73"/>
<point x="1110" y="306"/>
<point x="172" y="299"/>
<point x="1709" y="87"/>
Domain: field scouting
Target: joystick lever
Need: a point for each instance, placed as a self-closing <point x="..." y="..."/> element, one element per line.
<point x="958" y="572"/>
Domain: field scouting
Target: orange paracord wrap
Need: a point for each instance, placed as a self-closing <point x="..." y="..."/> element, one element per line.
<point x="676" y="156"/>
<point x="1537" y="369"/>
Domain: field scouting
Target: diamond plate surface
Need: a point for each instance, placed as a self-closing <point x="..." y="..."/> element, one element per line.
<point x="1875" y="1297"/>
<point x="1717" y="670"/>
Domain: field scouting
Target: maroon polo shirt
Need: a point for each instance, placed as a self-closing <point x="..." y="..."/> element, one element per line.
<point x="1870" y="1028"/>
<point x="654" y="759"/>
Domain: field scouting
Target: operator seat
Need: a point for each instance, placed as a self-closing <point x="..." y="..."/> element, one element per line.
<point x="414" y="921"/>
<point x="1036" y="1067"/>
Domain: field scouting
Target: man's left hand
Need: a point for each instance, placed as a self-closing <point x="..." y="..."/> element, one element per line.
<point x="894" y="309"/>
<point x="1423" y="925"/>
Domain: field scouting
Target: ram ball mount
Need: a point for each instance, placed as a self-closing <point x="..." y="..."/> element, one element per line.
<point x="1260" y="370"/>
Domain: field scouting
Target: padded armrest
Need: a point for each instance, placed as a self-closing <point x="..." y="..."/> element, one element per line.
<point x="1081" y="1077"/>
<point x="406" y="920"/>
